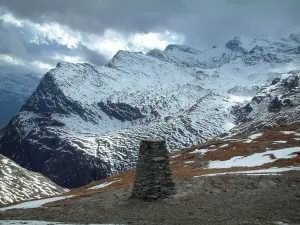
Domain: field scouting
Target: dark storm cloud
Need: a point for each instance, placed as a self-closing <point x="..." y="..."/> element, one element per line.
<point x="203" y="22"/>
<point x="10" y="43"/>
<point x="93" y="56"/>
<point x="16" y="44"/>
<point x="97" y="15"/>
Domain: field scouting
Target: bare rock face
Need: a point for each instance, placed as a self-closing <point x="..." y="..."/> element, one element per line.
<point x="153" y="178"/>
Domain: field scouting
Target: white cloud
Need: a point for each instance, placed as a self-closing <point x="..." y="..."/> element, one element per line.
<point x="55" y="32"/>
<point x="156" y="40"/>
<point x="32" y="66"/>
<point x="109" y="43"/>
<point x="41" y="65"/>
<point x="8" y="18"/>
<point x="112" y="41"/>
<point x="6" y="59"/>
<point x="72" y="59"/>
<point x="106" y="44"/>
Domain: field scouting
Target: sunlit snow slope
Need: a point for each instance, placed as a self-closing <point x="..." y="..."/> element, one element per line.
<point x="85" y="122"/>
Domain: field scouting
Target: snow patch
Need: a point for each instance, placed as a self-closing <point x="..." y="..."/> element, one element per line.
<point x="103" y="185"/>
<point x="188" y="162"/>
<point x="256" y="159"/>
<point x="36" y="203"/>
<point x="175" y="156"/>
<point x="288" y="132"/>
<point x="223" y="146"/>
<point x="200" y="151"/>
<point x="279" y="142"/>
<point x="254" y="136"/>
<point x="248" y="141"/>
<point x="229" y="125"/>
<point x="270" y="171"/>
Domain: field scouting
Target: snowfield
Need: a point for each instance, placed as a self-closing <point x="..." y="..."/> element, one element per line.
<point x="35" y="203"/>
<point x="256" y="159"/>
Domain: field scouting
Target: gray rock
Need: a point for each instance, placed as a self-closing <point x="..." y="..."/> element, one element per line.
<point x="153" y="178"/>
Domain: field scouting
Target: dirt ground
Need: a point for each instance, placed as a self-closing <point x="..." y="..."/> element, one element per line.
<point x="227" y="199"/>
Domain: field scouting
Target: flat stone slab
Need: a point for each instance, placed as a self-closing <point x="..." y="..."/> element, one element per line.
<point x="157" y="159"/>
<point x="153" y="140"/>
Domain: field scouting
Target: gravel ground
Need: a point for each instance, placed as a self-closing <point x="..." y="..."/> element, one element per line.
<point x="227" y="199"/>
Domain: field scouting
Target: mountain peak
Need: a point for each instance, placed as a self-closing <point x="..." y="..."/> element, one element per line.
<point x="235" y="45"/>
<point x="123" y="55"/>
<point x="62" y="63"/>
<point x="295" y="37"/>
<point x="182" y="48"/>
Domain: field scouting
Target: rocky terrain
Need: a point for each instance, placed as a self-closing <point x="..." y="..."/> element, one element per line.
<point x="236" y="179"/>
<point x="14" y="91"/>
<point x="18" y="184"/>
<point x="229" y="199"/>
<point x="275" y="104"/>
<point x="84" y="122"/>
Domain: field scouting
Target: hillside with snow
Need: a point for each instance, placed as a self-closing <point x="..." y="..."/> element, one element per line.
<point x="19" y="184"/>
<point x="275" y="104"/>
<point x="84" y="122"/>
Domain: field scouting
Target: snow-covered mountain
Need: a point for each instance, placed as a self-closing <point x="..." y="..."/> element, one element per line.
<point x="276" y="104"/>
<point x="84" y="122"/>
<point x="14" y="91"/>
<point x="19" y="184"/>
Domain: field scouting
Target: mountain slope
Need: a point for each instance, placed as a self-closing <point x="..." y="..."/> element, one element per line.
<point x="18" y="184"/>
<point x="84" y="122"/>
<point x="14" y="91"/>
<point x="276" y="104"/>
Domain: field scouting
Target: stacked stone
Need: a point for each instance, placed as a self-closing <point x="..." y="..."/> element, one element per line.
<point x="153" y="177"/>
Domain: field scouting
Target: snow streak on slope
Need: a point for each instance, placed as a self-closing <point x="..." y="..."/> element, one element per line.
<point x="35" y="203"/>
<point x="85" y="122"/>
<point x="19" y="184"/>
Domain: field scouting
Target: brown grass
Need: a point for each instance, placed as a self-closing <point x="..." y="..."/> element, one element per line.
<point x="126" y="178"/>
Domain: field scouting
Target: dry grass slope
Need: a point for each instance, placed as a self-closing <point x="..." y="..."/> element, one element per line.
<point x="218" y="149"/>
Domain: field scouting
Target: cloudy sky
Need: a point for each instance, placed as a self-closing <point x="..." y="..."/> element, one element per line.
<point x="36" y="34"/>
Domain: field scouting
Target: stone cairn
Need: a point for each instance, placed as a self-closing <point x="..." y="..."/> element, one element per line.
<point x="153" y="177"/>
